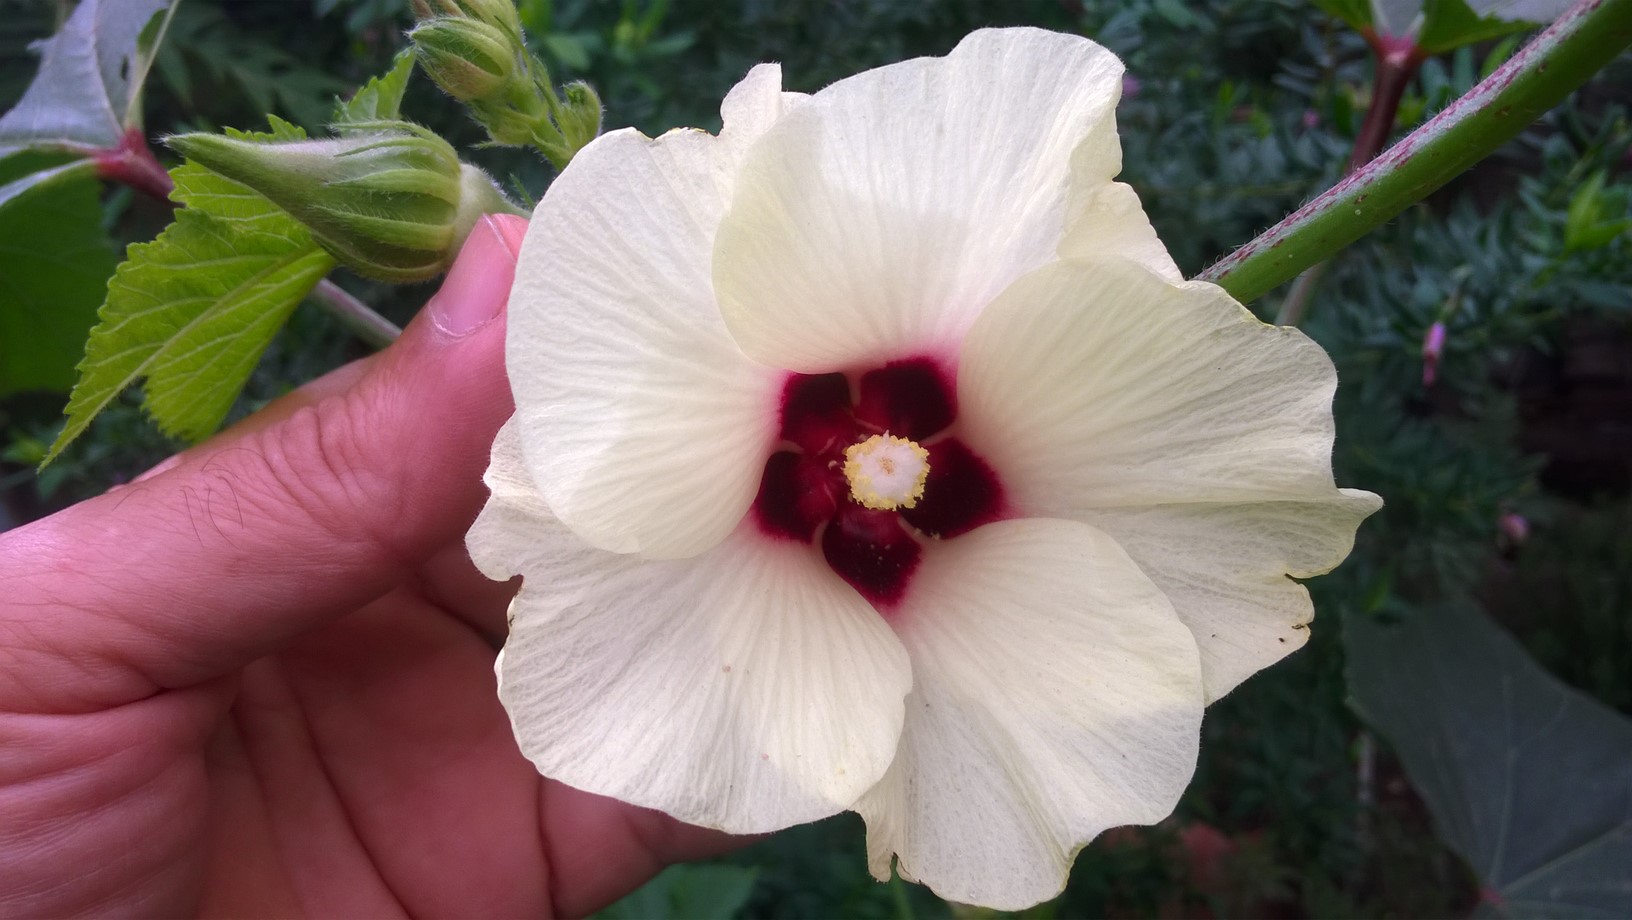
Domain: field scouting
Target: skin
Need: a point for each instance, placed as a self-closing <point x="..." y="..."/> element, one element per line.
<point x="259" y="680"/>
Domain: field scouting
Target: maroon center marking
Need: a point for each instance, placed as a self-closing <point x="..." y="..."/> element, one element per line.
<point x="910" y="399"/>
<point x="804" y="490"/>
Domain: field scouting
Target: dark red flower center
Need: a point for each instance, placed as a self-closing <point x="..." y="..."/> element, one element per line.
<point x="805" y="495"/>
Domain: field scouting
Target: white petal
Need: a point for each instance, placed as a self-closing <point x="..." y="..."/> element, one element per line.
<point x="878" y="218"/>
<point x="1100" y="384"/>
<point x="1105" y="218"/>
<point x="1196" y="435"/>
<point x="1225" y="569"/>
<point x="746" y="689"/>
<point x="1055" y="695"/>
<point x="645" y="427"/>
<point x="754" y="104"/>
<point x="1109" y="221"/>
<point x="515" y="529"/>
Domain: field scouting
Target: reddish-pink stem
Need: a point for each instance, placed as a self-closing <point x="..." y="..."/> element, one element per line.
<point x="1398" y="61"/>
<point x="132" y="163"/>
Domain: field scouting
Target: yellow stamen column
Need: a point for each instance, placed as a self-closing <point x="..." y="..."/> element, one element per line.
<point x="886" y="472"/>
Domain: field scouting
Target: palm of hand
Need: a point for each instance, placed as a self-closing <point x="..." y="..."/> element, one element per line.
<point x="364" y="770"/>
<point x="260" y="681"/>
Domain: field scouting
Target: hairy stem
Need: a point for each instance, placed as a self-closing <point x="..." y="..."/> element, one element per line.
<point x="1561" y="58"/>
<point x="359" y="317"/>
<point x="1397" y="63"/>
<point x="132" y="163"/>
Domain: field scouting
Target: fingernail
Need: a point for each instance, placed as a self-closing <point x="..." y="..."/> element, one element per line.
<point x="478" y="284"/>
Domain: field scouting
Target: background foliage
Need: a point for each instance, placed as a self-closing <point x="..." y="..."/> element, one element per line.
<point x="1506" y="477"/>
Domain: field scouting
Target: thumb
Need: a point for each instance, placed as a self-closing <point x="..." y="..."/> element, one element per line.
<point x="269" y="531"/>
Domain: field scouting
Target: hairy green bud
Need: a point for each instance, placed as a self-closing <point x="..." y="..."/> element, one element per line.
<point x="580" y="118"/>
<point x="474" y="50"/>
<point x="498" y="13"/>
<point x="472" y="61"/>
<point x="389" y="201"/>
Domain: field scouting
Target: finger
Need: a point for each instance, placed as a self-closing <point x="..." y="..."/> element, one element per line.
<point x="337" y="382"/>
<point x="450" y="581"/>
<point x="600" y="849"/>
<point x="272" y="532"/>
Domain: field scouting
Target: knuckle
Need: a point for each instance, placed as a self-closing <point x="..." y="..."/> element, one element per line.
<point x="318" y="464"/>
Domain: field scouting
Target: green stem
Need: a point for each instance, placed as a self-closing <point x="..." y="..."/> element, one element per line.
<point x="1397" y="62"/>
<point x="1561" y="58"/>
<point x="357" y="316"/>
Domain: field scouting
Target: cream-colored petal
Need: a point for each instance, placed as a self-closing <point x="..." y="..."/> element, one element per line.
<point x="645" y="425"/>
<point x="746" y="689"/>
<point x="1099" y="384"/>
<point x="1055" y="695"/>
<point x="877" y="219"/>
<point x="515" y="527"/>
<point x="1225" y="568"/>
<point x="1168" y="416"/>
<point x="1110" y="222"/>
<point x="754" y="104"/>
<point x="1104" y="218"/>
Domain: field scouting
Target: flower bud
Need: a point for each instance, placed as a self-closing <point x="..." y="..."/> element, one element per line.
<point x="470" y="60"/>
<point x="500" y="13"/>
<point x="580" y="118"/>
<point x="391" y="201"/>
<point x="1514" y="529"/>
<point x="1433" y="346"/>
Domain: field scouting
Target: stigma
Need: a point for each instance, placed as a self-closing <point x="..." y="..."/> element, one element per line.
<point x="886" y="472"/>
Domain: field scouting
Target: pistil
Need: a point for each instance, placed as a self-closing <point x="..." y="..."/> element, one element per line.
<point x="886" y="472"/>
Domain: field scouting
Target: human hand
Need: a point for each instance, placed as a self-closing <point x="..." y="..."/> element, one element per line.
<point x="259" y="680"/>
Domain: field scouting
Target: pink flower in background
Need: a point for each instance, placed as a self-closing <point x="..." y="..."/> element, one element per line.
<point x="874" y="455"/>
<point x="1433" y="348"/>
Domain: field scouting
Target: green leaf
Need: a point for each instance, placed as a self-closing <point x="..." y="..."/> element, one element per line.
<point x="688" y="892"/>
<point x="192" y="311"/>
<point x="1448" y="24"/>
<point x="1357" y="13"/>
<point x="380" y="99"/>
<point x="1528" y="779"/>
<point x="90" y="72"/>
<point x="41" y="178"/>
<point x="55" y="261"/>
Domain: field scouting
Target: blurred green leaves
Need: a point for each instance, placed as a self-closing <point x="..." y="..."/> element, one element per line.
<point x="1528" y="779"/>
<point x="1596" y="215"/>
<point x="216" y="69"/>
<point x="687" y="892"/>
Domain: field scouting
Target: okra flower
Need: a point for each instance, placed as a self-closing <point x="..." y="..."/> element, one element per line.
<point x="873" y="455"/>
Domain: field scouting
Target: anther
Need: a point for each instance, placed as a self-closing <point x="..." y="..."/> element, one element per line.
<point x="886" y="472"/>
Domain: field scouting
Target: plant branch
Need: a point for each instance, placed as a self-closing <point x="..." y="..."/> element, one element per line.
<point x="1561" y="58"/>
<point x="1398" y="61"/>
<point x="359" y="317"/>
<point x="133" y="163"/>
